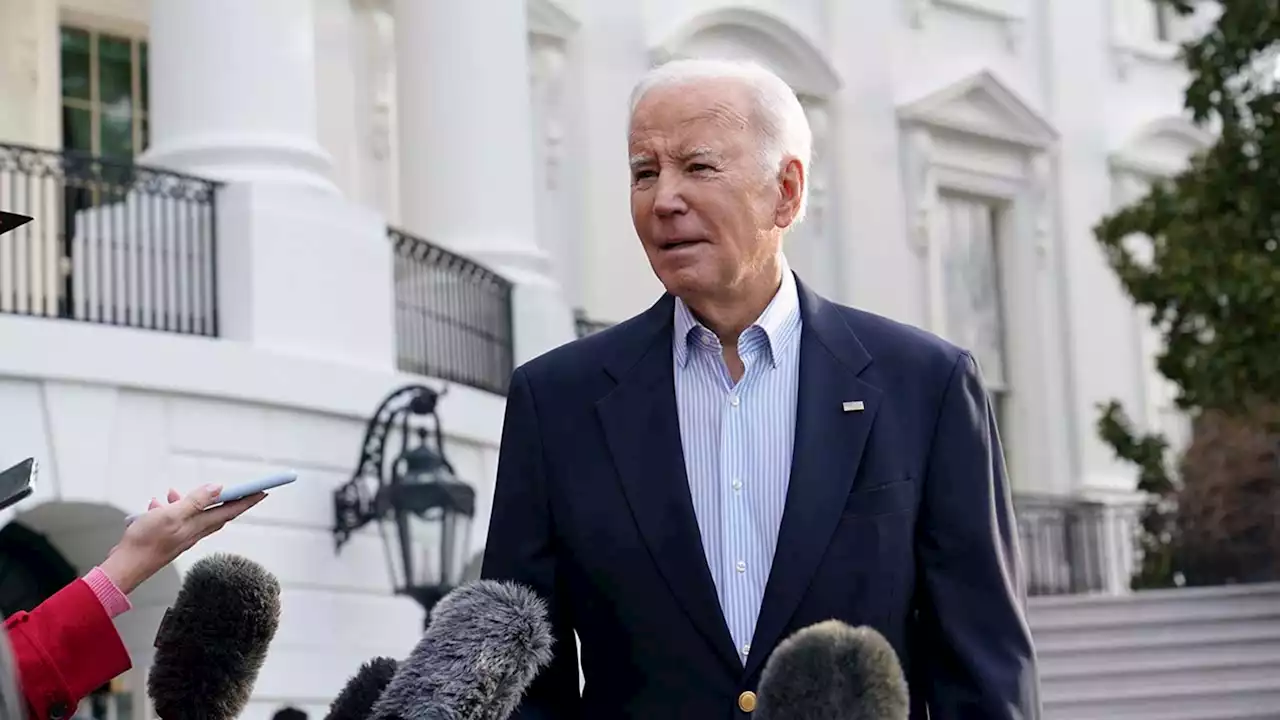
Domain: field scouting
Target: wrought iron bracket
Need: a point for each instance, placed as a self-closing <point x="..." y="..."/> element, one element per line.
<point x="357" y="501"/>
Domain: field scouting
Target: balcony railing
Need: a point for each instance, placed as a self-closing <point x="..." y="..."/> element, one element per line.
<point x="1073" y="547"/>
<point x="112" y="242"/>
<point x="453" y="316"/>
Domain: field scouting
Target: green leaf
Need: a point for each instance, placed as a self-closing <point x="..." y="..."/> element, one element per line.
<point x="1209" y="272"/>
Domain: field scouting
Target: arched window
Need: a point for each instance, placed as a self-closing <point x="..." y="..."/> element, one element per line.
<point x="31" y="569"/>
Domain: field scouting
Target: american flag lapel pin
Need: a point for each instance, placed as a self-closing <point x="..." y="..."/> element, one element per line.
<point x="854" y="406"/>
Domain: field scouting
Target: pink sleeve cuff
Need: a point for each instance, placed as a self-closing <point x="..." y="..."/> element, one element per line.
<point x="113" y="601"/>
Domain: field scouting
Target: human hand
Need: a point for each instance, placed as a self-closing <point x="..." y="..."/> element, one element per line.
<point x="166" y="531"/>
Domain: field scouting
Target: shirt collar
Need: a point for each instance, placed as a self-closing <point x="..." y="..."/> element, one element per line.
<point x="775" y="327"/>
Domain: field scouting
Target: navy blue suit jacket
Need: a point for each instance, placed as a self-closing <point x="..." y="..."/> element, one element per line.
<point x="898" y="517"/>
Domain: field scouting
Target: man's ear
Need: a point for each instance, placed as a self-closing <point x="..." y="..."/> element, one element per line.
<point x="791" y="181"/>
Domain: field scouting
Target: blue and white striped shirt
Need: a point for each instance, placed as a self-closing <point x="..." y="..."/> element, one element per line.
<point x="737" y="447"/>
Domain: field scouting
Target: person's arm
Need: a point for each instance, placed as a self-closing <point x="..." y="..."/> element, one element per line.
<point x="113" y="599"/>
<point x="976" y="646"/>
<point x="65" y="648"/>
<point x="521" y="548"/>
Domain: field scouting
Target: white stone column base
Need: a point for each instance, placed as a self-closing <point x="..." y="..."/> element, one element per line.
<point x="301" y="274"/>
<point x="541" y="314"/>
<point x="541" y="317"/>
<point x="270" y="159"/>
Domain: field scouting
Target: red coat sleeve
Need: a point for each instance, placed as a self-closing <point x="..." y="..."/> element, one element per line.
<point x="65" y="649"/>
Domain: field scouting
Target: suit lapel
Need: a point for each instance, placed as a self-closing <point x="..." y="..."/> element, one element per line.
<point x="828" y="449"/>
<point x="643" y="434"/>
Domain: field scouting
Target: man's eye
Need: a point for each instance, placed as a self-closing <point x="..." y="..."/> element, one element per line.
<point x="643" y="175"/>
<point x="699" y="167"/>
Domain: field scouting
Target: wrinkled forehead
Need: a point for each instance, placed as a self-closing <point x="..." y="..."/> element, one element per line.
<point x="699" y="112"/>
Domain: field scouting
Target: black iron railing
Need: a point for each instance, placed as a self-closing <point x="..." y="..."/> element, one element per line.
<point x="585" y="325"/>
<point x="1071" y="546"/>
<point x="112" y="242"/>
<point x="453" y="316"/>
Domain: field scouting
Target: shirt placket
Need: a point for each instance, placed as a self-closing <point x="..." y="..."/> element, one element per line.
<point x="732" y="493"/>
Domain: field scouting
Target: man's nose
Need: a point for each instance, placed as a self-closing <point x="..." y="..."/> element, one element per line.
<point x="668" y="196"/>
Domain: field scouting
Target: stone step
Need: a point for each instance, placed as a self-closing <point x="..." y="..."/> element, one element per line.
<point x="1187" y="654"/>
<point x="1175" y="672"/>
<point x="1222" y="652"/>
<point x="1170" y="638"/>
<point x="1047" y="615"/>
<point x="1234" y="700"/>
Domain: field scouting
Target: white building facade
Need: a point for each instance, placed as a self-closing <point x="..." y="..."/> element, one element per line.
<point x="249" y="314"/>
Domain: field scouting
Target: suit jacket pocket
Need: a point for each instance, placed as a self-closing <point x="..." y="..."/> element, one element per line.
<point x="883" y="499"/>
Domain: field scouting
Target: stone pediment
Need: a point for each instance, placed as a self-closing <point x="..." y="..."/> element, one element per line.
<point x="983" y="106"/>
<point x="547" y="19"/>
<point x="748" y="34"/>
<point x="1162" y="147"/>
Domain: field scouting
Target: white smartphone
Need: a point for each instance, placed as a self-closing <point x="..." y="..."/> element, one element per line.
<point x="243" y="490"/>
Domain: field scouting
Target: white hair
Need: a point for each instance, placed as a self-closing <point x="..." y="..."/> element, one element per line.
<point x="778" y="116"/>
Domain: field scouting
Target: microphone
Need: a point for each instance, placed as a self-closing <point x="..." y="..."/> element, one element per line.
<point x="356" y="700"/>
<point x="831" y="671"/>
<point x="486" y="642"/>
<point x="213" y="641"/>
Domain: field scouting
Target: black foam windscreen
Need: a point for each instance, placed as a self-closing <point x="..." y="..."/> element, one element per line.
<point x="832" y="671"/>
<point x="356" y="700"/>
<point x="213" y="640"/>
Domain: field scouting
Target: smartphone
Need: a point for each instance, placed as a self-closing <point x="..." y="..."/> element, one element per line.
<point x="18" y="482"/>
<point x="243" y="490"/>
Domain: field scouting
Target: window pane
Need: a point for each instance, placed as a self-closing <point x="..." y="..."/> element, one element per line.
<point x="117" y="131"/>
<point x="144" y="73"/>
<point x="77" y="129"/>
<point x="115" y="70"/>
<point x="971" y="271"/>
<point x="75" y="63"/>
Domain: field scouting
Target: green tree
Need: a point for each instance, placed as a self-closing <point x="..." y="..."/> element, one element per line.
<point x="1211" y="273"/>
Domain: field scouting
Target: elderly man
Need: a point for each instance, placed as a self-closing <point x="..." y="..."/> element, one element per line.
<point x="745" y="458"/>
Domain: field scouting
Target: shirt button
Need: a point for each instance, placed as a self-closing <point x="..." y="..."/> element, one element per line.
<point x="741" y="566"/>
<point x="734" y="401"/>
<point x="737" y="484"/>
<point x="746" y="649"/>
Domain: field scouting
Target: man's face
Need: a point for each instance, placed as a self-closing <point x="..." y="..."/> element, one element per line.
<point x="709" y="215"/>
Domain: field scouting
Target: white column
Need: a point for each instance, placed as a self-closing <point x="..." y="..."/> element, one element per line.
<point x="233" y="90"/>
<point x="552" y="183"/>
<point x="614" y="53"/>
<point x="879" y="268"/>
<point x="467" y="177"/>
<point x="301" y="270"/>
<point x="29" y="83"/>
<point x="1099" y="347"/>
<point x="375" y="70"/>
<point x="810" y="246"/>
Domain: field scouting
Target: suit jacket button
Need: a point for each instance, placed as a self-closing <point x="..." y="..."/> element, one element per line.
<point x="747" y="702"/>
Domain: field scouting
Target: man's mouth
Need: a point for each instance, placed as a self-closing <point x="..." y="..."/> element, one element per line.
<point x="681" y="243"/>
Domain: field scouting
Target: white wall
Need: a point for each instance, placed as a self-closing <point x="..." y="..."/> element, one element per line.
<point x="116" y="416"/>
